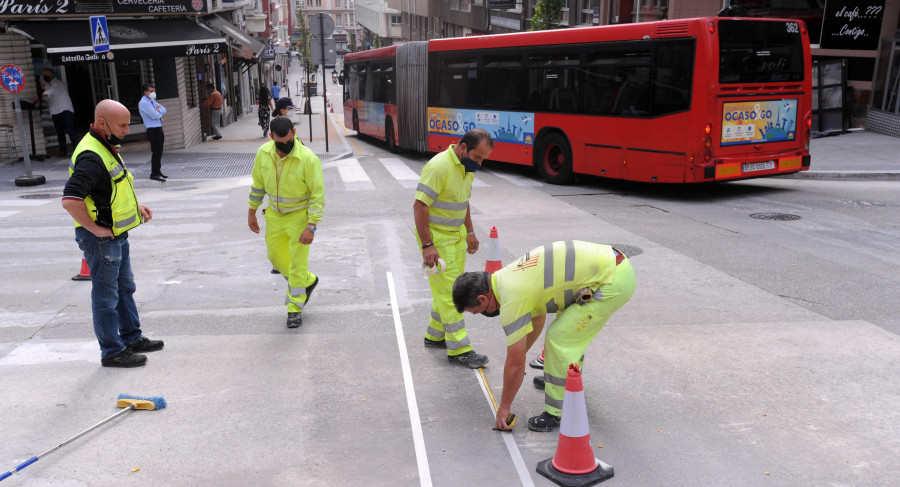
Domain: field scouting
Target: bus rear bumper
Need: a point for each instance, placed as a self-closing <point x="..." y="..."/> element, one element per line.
<point x="730" y="169"/>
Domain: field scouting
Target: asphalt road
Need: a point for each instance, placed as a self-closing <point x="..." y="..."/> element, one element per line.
<point x="754" y="352"/>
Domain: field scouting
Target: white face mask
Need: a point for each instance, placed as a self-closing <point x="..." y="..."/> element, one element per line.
<point x="152" y="95"/>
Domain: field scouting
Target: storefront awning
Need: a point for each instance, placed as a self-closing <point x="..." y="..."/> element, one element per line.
<point x="71" y="41"/>
<point x="236" y="34"/>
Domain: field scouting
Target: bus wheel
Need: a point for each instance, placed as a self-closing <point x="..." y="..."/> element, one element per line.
<point x="389" y="135"/>
<point x="356" y="122"/>
<point x="553" y="158"/>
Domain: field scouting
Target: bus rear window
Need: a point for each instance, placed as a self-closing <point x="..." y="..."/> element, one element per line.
<point x="760" y="51"/>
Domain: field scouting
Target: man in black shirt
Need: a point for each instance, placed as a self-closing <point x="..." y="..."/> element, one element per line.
<point x="100" y="197"/>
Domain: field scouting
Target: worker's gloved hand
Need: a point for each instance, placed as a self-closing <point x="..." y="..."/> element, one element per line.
<point x="500" y="420"/>
<point x="430" y="256"/>
<point x="471" y="244"/>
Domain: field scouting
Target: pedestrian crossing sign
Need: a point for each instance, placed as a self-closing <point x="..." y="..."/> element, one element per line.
<point x="99" y="34"/>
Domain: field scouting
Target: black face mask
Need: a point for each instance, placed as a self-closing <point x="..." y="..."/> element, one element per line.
<point x="492" y="314"/>
<point x="48" y="79"/>
<point x="113" y="140"/>
<point x="469" y="164"/>
<point x="285" y="147"/>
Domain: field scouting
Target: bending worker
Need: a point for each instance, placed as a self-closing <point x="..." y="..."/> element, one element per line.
<point x="291" y="175"/>
<point x="583" y="283"/>
<point x="444" y="231"/>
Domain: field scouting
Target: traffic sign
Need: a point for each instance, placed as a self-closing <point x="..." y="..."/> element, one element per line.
<point x="99" y="34"/>
<point x="12" y="78"/>
<point x="321" y="25"/>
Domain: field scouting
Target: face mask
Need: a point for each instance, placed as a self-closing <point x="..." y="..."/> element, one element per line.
<point x="113" y="140"/>
<point x="285" y="147"/>
<point x="48" y="79"/>
<point x="469" y="164"/>
<point x="492" y="314"/>
<point x="152" y="95"/>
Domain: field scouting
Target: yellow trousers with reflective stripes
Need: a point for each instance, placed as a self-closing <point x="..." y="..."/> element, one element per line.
<point x="288" y="255"/>
<point x="575" y="328"/>
<point x="446" y="323"/>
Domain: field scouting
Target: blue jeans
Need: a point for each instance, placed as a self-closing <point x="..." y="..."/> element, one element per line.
<point x="116" y="322"/>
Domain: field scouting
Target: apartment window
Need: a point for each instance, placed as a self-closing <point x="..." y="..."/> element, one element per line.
<point x="465" y="5"/>
<point x="309" y="3"/>
<point x="318" y="3"/>
<point x="564" y="16"/>
<point x="454" y="4"/>
<point x="349" y="3"/>
<point x="352" y="20"/>
<point x="337" y="20"/>
<point x="396" y="21"/>
<point x="586" y="12"/>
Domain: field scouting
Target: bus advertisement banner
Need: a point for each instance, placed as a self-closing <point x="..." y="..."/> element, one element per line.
<point x="755" y="122"/>
<point x="510" y="127"/>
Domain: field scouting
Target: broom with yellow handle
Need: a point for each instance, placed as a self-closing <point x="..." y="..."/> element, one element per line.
<point x="130" y="403"/>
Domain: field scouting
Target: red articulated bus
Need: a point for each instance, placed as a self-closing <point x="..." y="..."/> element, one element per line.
<point x="677" y="101"/>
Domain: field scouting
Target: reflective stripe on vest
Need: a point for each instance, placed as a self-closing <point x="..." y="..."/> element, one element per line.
<point x="124" y="208"/>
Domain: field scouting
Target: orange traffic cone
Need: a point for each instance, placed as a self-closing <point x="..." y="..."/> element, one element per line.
<point x="493" y="253"/>
<point x="574" y="463"/>
<point x="332" y="109"/>
<point x="85" y="274"/>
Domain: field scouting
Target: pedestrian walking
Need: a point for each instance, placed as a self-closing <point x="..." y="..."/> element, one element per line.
<point x="283" y="107"/>
<point x="152" y="114"/>
<point x="276" y="90"/>
<point x="291" y="175"/>
<point x="61" y="110"/>
<point x="584" y="283"/>
<point x="214" y="102"/>
<point x="444" y="231"/>
<point x="264" y="102"/>
<point x="100" y="197"/>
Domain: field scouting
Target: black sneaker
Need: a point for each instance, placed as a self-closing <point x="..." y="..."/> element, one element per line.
<point x="125" y="358"/>
<point x="294" y="320"/>
<point x="146" y="345"/>
<point x="538" y="382"/>
<point x="311" y="288"/>
<point x="469" y="359"/>
<point x="275" y="271"/>
<point x="545" y="422"/>
<point x="537" y="363"/>
<point x="435" y="343"/>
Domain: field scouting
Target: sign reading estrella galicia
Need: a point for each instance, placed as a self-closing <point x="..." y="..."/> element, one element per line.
<point x="40" y="9"/>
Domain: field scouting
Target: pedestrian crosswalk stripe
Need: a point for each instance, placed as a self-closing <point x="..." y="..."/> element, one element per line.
<point x="518" y="180"/>
<point x="479" y="183"/>
<point x="24" y="202"/>
<point x="8" y="213"/>
<point x="400" y="171"/>
<point x="354" y="176"/>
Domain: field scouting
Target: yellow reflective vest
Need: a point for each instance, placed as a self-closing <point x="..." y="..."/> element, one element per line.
<point x="445" y="187"/>
<point x="299" y="185"/>
<point x="123" y="204"/>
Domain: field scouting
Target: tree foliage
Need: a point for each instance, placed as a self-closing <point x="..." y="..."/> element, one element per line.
<point x="546" y="15"/>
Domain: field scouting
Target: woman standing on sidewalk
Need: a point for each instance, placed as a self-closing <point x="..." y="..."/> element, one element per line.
<point x="264" y="100"/>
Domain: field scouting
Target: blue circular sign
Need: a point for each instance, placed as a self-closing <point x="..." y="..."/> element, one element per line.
<point x="12" y="78"/>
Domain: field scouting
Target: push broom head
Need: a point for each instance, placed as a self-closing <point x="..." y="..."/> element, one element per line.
<point x="146" y="403"/>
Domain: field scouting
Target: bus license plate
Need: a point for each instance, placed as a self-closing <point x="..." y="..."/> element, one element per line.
<point x="758" y="166"/>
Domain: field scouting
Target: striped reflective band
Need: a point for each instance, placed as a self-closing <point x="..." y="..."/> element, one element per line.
<point x="548" y="266"/>
<point x="284" y="211"/>
<point x="447" y="205"/>
<point x="451" y="345"/>
<point x="436" y="316"/>
<point x="454" y="327"/>
<point x="569" y="296"/>
<point x="570" y="261"/>
<point x="574" y="422"/>
<point x="257" y="198"/>
<point x="254" y="189"/>
<point x="517" y="324"/>
<point x="282" y="199"/>
<point x="552" y="379"/>
<point x="434" y="332"/>
<point x="125" y="223"/>
<point x="427" y="190"/>
<point x="450" y="222"/>
<point x="554" y="403"/>
<point x="551" y="306"/>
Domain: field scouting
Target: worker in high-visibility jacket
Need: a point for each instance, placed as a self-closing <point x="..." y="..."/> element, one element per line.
<point x="444" y="231"/>
<point x="291" y="175"/>
<point x="582" y="282"/>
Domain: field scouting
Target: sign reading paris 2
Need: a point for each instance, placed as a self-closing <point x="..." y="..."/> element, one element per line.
<point x="38" y="9"/>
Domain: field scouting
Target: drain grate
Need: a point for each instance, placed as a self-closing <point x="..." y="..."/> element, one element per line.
<point x="41" y="196"/>
<point x="629" y="250"/>
<point x="782" y="217"/>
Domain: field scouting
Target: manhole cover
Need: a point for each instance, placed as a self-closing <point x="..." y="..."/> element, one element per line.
<point x="784" y="217"/>
<point x="40" y="196"/>
<point x="629" y="250"/>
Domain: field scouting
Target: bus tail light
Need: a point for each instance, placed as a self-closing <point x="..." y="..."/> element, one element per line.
<point x="802" y="28"/>
<point x="711" y="28"/>
<point x="808" y="127"/>
<point x="707" y="156"/>
<point x="707" y="142"/>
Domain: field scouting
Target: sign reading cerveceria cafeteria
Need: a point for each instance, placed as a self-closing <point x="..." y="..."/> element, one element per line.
<point x="38" y="9"/>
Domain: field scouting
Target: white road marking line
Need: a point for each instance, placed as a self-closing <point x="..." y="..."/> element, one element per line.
<point x="418" y="436"/>
<point x="518" y="180"/>
<point x="22" y="202"/>
<point x="481" y="184"/>
<point x="8" y="213"/>
<point x="354" y="176"/>
<point x="400" y="171"/>
<point x="53" y="352"/>
<point x="509" y="439"/>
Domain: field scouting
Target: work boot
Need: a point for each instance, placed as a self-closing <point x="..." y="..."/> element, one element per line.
<point x="545" y="422"/>
<point x="469" y="359"/>
<point x="146" y="345"/>
<point x="310" y="288"/>
<point x="435" y="343"/>
<point x="124" y="359"/>
<point x="294" y="320"/>
<point x="538" y="382"/>
<point x="537" y="363"/>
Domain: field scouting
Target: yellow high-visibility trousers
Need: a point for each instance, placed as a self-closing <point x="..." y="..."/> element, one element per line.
<point x="575" y="328"/>
<point x="288" y="255"/>
<point x="446" y="323"/>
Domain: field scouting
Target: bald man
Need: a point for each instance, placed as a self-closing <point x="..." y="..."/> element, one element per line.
<point x="100" y="197"/>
